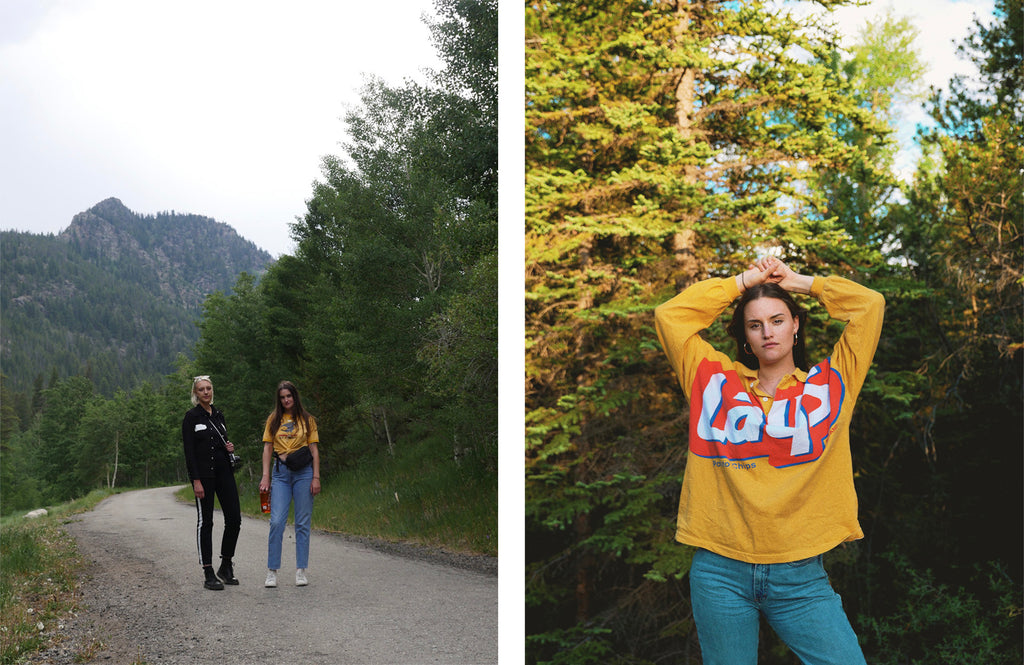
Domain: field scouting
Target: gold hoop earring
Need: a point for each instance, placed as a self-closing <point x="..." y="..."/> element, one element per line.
<point x="747" y="349"/>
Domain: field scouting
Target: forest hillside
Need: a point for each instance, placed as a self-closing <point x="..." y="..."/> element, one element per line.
<point x="385" y="317"/>
<point x="115" y="296"/>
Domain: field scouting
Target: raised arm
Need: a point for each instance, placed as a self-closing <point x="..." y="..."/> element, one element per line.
<point x="858" y="306"/>
<point x="862" y="310"/>
<point x="680" y="320"/>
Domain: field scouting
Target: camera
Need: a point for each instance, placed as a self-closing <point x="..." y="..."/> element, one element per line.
<point x="236" y="461"/>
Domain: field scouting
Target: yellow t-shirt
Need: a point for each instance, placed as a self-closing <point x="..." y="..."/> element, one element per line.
<point x="769" y="478"/>
<point x="291" y="435"/>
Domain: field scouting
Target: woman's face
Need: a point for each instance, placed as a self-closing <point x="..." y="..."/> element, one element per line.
<point x="769" y="330"/>
<point x="204" y="392"/>
<point x="286" y="398"/>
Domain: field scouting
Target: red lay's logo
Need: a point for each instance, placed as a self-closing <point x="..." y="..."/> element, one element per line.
<point x="732" y="426"/>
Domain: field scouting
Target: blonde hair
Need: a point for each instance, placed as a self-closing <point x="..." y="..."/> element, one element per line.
<point x="192" y="392"/>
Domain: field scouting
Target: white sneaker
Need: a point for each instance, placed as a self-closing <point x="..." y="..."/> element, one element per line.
<point x="271" y="579"/>
<point x="300" y="577"/>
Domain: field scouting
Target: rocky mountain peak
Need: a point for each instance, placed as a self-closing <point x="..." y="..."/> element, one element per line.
<point x="115" y="289"/>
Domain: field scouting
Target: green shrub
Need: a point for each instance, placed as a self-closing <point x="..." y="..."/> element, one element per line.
<point x="936" y="623"/>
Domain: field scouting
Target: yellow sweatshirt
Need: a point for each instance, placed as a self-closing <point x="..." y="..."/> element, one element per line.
<point x="769" y="478"/>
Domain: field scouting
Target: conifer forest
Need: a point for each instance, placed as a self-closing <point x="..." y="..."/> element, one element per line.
<point x="385" y="315"/>
<point x="668" y="142"/>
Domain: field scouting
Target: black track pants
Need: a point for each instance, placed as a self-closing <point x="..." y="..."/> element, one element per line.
<point x="223" y="485"/>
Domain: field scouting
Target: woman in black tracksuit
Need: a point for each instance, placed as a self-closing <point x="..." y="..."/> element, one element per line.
<point x="207" y="456"/>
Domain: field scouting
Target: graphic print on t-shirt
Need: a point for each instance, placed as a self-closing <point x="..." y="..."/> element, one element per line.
<point x="732" y="426"/>
<point x="287" y="429"/>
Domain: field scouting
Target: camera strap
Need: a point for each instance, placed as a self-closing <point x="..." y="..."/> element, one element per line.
<point x="223" y="441"/>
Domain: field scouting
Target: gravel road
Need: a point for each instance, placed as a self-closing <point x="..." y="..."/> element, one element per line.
<point x="145" y="600"/>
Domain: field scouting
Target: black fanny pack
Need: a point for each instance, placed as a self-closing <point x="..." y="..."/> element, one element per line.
<point x="298" y="460"/>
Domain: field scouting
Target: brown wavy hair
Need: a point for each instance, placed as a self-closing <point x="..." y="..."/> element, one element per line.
<point x="296" y="412"/>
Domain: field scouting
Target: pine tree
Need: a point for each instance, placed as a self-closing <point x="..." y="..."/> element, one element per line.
<point x="666" y="142"/>
<point x="402" y="239"/>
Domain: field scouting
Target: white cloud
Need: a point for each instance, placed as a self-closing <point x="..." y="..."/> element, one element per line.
<point x="943" y="25"/>
<point x="222" y="108"/>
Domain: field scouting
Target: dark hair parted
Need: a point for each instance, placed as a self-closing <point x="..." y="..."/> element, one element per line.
<point x="296" y="411"/>
<point x="737" y="327"/>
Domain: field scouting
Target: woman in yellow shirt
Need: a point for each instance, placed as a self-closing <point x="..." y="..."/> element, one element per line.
<point x="290" y="439"/>
<point x="768" y="486"/>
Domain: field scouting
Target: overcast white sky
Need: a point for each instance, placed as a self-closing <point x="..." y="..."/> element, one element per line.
<point x="224" y="108"/>
<point x="943" y="24"/>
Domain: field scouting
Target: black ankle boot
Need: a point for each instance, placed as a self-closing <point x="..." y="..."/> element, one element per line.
<point x="226" y="573"/>
<point x="211" y="580"/>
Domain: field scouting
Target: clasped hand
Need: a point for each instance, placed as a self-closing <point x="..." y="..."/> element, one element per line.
<point x="768" y="269"/>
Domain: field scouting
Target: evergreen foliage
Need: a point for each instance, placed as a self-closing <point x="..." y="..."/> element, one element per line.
<point x="668" y="142"/>
<point x="386" y="317"/>
<point x="398" y="251"/>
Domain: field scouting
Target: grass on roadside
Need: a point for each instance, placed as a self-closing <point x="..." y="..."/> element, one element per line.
<point x="39" y="586"/>
<point x="409" y="498"/>
<point x="405" y="500"/>
<point x="412" y="498"/>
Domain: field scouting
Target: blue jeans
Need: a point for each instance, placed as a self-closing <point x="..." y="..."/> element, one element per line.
<point x="287" y="486"/>
<point x="728" y="597"/>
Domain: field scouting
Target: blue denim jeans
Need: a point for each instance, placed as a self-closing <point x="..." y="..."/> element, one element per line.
<point x="287" y="486"/>
<point x="729" y="596"/>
